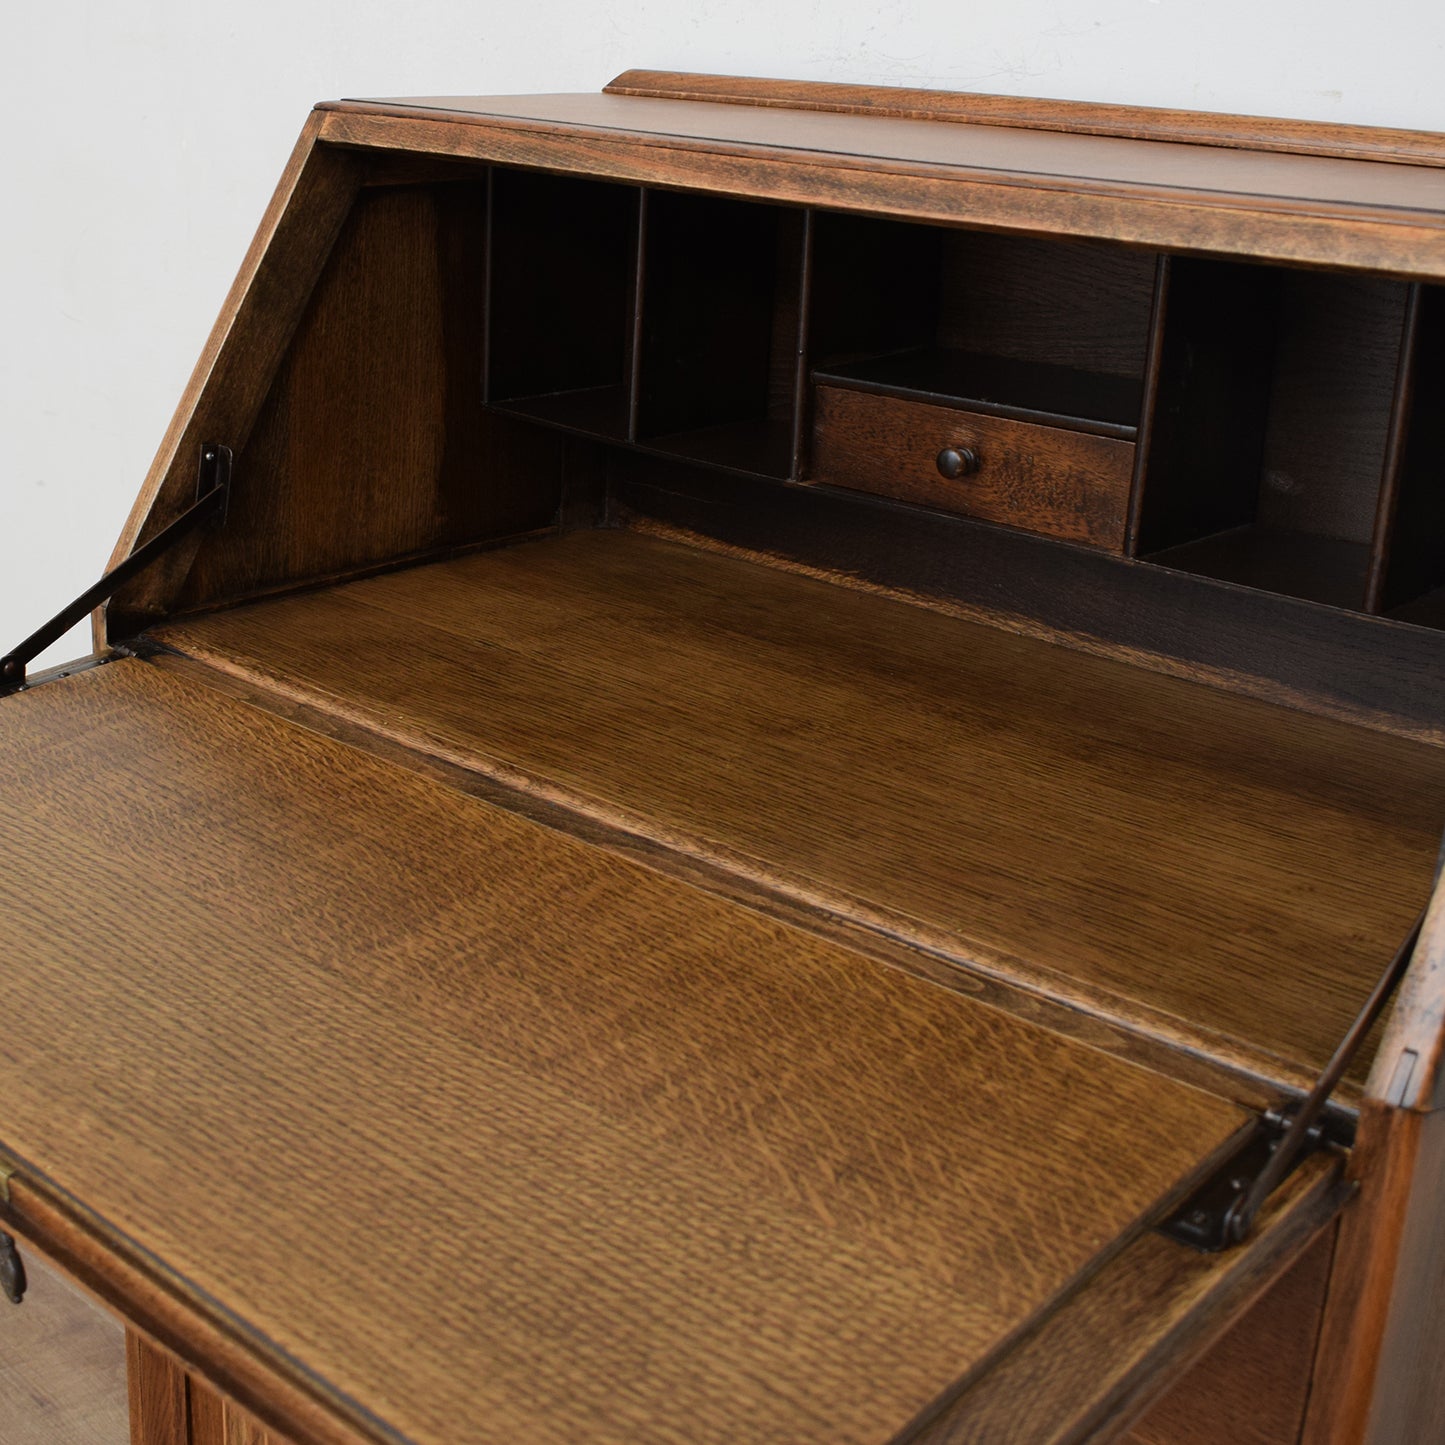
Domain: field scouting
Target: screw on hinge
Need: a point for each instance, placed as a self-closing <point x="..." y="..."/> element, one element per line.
<point x="12" y="1270"/>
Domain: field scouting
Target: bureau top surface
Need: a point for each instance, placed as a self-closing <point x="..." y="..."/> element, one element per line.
<point x="1415" y="192"/>
<point x="376" y="1072"/>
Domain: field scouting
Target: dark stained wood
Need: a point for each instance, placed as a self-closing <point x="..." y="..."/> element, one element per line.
<point x="1201" y="475"/>
<point x="231" y="379"/>
<point x="1131" y="1329"/>
<point x="1417" y="534"/>
<point x="62" y="1365"/>
<point x="1382" y="534"/>
<point x="1072" y="308"/>
<point x="1252" y="1386"/>
<point x="1069" y="304"/>
<point x="788" y="1133"/>
<point x="721" y="312"/>
<point x="802" y="392"/>
<point x="1284" y="494"/>
<point x="1148" y="402"/>
<point x="372" y="443"/>
<point x="1290" y="564"/>
<point x="1262" y="133"/>
<point x="1258" y="643"/>
<point x="1038" y="813"/>
<point x="1043" y="479"/>
<point x="1330" y="399"/>
<point x="1028" y="391"/>
<point x="560" y="313"/>
<point x="791" y="168"/>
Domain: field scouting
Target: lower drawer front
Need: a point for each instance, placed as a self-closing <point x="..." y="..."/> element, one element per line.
<point x="1040" y="478"/>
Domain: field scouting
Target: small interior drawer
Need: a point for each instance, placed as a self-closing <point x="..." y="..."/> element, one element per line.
<point x="1045" y="479"/>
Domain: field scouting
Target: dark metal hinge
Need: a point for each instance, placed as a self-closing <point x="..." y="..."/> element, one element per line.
<point x="213" y="490"/>
<point x="1221" y="1211"/>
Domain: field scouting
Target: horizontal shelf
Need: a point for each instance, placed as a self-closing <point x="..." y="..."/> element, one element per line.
<point x="1294" y="564"/>
<point x="1426" y="611"/>
<point x="1001" y="386"/>
<point x="594" y="411"/>
<point x="762" y="447"/>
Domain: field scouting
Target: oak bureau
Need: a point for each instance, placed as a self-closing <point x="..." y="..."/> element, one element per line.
<point x="765" y="764"/>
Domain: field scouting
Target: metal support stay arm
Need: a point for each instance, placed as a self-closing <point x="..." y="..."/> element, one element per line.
<point x="1223" y="1209"/>
<point x="213" y="486"/>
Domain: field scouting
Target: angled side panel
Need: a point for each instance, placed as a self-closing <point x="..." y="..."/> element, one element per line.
<point x="230" y="381"/>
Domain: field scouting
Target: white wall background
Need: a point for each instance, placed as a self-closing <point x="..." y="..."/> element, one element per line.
<point x="143" y="138"/>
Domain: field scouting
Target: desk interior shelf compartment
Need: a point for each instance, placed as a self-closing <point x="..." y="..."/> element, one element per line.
<point x="1026" y="358"/>
<point x="722" y="297"/>
<point x="561" y="268"/>
<point x="1411" y="568"/>
<point x="1272" y="426"/>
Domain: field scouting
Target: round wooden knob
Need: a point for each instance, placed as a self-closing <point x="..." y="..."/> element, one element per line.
<point x="956" y="462"/>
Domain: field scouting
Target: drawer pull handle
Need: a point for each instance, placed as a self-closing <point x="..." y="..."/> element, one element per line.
<point x="956" y="462"/>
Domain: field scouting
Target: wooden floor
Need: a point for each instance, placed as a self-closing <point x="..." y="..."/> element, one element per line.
<point x="1141" y="844"/>
<point x="62" y="1366"/>
<point x="394" y="1074"/>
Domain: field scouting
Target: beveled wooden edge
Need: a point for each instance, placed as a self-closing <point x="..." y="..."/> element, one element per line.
<point x="1093" y="1366"/>
<point x="1288" y="232"/>
<point x="1409" y="1067"/>
<point x="1080" y="117"/>
<point x="254" y="326"/>
<point x="192" y="1328"/>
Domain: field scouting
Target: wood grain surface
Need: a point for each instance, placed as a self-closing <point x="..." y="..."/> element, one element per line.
<point x="1119" y="1340"/>
<point x="1226" y="172"/>
<point x="1252" y="1386"/>
<point x="1252" y="132"/>
<point x="371" y="444"/>
<point x="159" y="1408"/>
<point x="794" y="162"/>
<point x="62" y="1365"/>
<point x="172" y="1406"/>
<point x="1229" y="873"/>
<point x="385" y="1074"/>
<point x="241" y="355"/>
<point x="1277" y="649"/>
<point x="1042" y="479"/>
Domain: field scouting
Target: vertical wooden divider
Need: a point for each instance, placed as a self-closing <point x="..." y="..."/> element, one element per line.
<point x="487" y="250"/>
<point x="1394" y="456"/>
<point x="802" y="392"/>
<point x="639" y="292"/>
<point x="1158" y="318"/>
